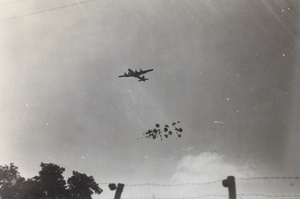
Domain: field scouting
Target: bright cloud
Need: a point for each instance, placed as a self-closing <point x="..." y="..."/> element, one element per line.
<point x="207" y="167"/>
<point x="204" y="168"/>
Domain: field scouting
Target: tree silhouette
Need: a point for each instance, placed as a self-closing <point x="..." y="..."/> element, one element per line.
<point x="82" y="186"/>
<point x="31" y="189"/>
<point x="10" y="181"/>
<point x="48" y="184"/>
<point x="52" y="181"/>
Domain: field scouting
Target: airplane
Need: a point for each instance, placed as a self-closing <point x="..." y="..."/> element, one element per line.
<point x="137" y="74"/>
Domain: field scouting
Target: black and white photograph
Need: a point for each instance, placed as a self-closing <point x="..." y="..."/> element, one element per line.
<point x="149" y="99"/>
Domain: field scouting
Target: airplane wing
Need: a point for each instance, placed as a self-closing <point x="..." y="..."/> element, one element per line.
<point x="141" y="72"/>
<point x="125" y="75"/>
<point x="136" y="74"/>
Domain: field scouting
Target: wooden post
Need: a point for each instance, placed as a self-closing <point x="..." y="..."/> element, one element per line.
<point x="118" y="188"/>
<point x="230" y="183"/>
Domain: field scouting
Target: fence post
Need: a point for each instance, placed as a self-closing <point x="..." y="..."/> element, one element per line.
<point x="118" y="188"/>
<point x="230" y="183"/>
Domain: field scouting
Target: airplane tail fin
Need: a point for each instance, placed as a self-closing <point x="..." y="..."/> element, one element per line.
<point x="143" y="79"/>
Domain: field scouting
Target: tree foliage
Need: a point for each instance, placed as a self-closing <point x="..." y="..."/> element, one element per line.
<point x="10" y="181"/>
<point x="52" y="181"/>
<point x="31" y="188"/>
<point x="8" y="174"/>
<point x="49" y="183"/>
<point x="82" y="186"/>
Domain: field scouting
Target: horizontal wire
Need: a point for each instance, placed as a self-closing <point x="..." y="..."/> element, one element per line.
<point x="192" y="197"/>
<point x="270" y="178"/>
<point x="170" y="185"/>
<point x="219" y="195"/>
<point x="207" y="183"/>
<point x="270" y="195"/>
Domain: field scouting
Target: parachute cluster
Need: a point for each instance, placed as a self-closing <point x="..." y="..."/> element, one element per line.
<point x="164" y="132"/>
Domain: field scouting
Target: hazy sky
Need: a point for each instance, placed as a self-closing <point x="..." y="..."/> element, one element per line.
<point x="227" y="70"/>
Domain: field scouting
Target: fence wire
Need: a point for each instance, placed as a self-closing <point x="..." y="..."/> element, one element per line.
<point x="207" y="183"/>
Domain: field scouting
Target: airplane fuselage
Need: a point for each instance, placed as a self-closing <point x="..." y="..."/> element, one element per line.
<point x="137" y="74"/>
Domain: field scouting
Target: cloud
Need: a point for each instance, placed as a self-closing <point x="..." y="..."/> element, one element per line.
<point x="202" y="175"/>
<point x="207" y="167"/>
<point x="198" y="169"/>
